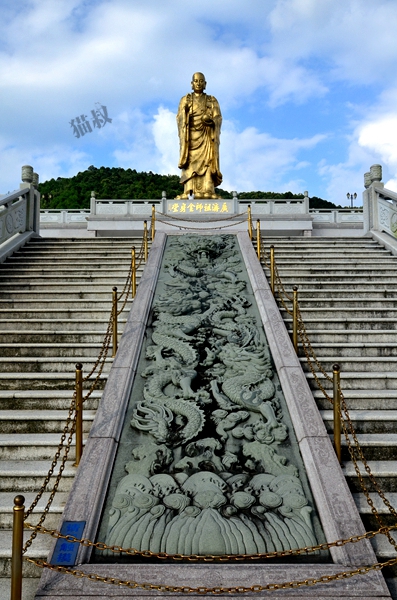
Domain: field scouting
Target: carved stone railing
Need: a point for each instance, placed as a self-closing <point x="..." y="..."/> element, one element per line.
<point x="111" y="213"/>
<point x="124" y="208"/>
<point x="380" y="204"/>
<point x="19" y="219"/>
<point x="61" y="218"/>
<point x="276" y="207"/>
<point x="337" y="216"/>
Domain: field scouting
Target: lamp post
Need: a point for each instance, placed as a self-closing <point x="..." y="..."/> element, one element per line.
<point x="351" y="197"/>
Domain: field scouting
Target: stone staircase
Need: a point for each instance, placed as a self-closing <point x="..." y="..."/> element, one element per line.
<point x="348" y="302"/>
<point x="55" y="300"/>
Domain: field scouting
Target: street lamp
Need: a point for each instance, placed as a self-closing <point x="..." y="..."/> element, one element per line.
<point x="351" y="197"/>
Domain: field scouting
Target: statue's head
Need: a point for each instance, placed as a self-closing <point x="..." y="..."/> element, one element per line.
<point x="198" y="83"/>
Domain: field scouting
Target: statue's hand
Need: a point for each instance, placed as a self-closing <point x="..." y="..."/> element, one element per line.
<point x="207" y="120"/>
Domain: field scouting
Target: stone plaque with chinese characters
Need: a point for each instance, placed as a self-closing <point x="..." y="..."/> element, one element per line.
<point x="200" y="207"/>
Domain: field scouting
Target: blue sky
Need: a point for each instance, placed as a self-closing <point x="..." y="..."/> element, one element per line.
<point x="307" y="88"/>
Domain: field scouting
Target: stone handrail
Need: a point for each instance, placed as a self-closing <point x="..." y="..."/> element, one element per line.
<point x="380" y="204"/>
<point x="387" y="211"/>
<point x="19" y="219"/>
<point x="124" y="208"/>
<point x="337" y="216"/>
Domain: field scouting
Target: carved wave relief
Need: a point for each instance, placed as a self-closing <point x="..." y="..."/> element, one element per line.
<point x="210" y="474"/>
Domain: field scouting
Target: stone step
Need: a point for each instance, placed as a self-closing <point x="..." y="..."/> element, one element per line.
<point x="58" y="280"/>
<point x="53" y="312"/>
<point x="327" y="295"/>
<point x="28" y="302"/>
<point x="39" y="549"/>
<point x="80" y="352"/>
<point x="357" y="380"/>
<point x="27" y="476"/>
<point x="37" y="296"/>
<point x="44" y="399"/>
<point x="385" y="472"/>
<point x="70" y="337"/>
<point x="344" y="349"/>
<point x="30" y="446"/>
<point x="82" y="258"/>
<point x="52" y="519"/>
<point x="375" y="446"/>
<point x="55" y="250"/>
<point x="354" y="301"/>
<point x="362" y="399"/>
<point x="69" y="271"/>
<point x="348" y="324"/>
<point x="77" y="262"/>
<point x="336" y="281"/>
<point x="44" y="381"/>
<point x="368" y="422"/>
<point x="380" y="364"/>
<point x="338" y="336"/>
<point x="39" y="421"/>
<point x="350" y="307"/>
<point x="334" y="273"/>
<point x="71" y="324"/>
<point x="364" y="507"/>
<point x="47" y="364"/>
<point x="299" y="259"/>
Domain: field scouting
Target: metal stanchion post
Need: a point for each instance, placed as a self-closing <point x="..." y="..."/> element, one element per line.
<point x="295" y="319"/>
<point x="114" y="311"/>
<point x="272" y="270"/>
<point x="258" y="239"/>
<point x="133" y="272"/>
<point x="17" y="545"/>
<point x="79" y="413"/>
<point x="249" y="221"/>
<point x="145" y="244"/>
<point x="153" y="227"/>
<point x="337" y="420"/>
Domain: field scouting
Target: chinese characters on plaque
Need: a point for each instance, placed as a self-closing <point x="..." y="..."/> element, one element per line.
<point x="99" y="118"/>
<point x="200" y="207"/>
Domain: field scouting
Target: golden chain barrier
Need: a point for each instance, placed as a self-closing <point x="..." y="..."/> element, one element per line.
<point x="355" y="450"/>
<point x="210" y="557"/>
<point x="204" y="221"/>
<point x="201" y="228"/>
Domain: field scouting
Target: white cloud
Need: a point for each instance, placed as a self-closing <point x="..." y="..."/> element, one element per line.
<point x="166" y="140"/>
<point x="258" y="161"/>
<point x="380" y="136"/>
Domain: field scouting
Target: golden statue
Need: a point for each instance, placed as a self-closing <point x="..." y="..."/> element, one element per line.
<point x="199" y="126"/>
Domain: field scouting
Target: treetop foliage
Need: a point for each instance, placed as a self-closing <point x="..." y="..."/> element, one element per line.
<point x="129" y="184"/>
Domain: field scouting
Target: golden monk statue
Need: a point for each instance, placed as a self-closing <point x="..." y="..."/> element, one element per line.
<point x="199" y="125"/>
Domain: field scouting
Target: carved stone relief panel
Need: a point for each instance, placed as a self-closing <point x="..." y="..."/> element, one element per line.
<point x="208" y="462"/>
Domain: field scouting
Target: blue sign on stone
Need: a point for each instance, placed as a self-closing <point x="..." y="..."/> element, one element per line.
<point x="65" y="552"/>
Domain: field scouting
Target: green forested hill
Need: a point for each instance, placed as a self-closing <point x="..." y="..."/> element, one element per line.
<point x="118" y="183"/>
